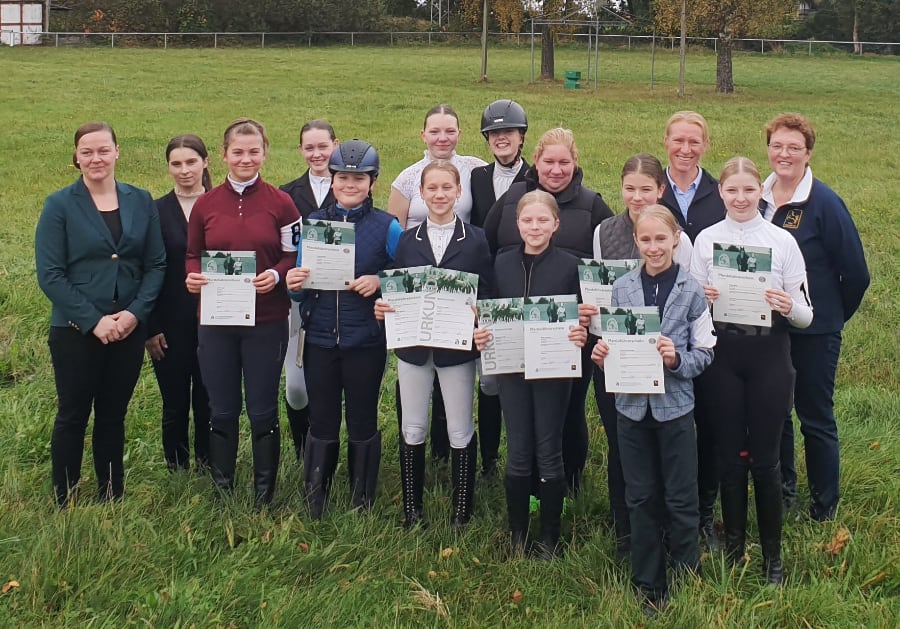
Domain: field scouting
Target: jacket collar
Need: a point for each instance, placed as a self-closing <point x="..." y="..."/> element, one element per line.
<point x="459" y="235"/>
<point x="565" y="195"/>
<point x="86" y="206"/>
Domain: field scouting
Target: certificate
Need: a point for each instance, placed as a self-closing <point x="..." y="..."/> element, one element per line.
<point x="505" y="352"/>
<point x="447" y="319"/>
<point x="548" y="351"/>
<point x="633" y="364"/>
<point x="742" y="274"/>
<point x="328" y="250"/>
<point x="229" y="296"/>
<point x="402" y="289"/>
<point x="596" y="278"/>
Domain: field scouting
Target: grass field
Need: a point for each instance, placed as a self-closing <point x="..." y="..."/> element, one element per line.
<point x="171" y="556"/>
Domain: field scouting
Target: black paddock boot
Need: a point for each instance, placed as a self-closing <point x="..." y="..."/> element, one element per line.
<point x="412" y="480"/>
<point x="708" y="536"/>
<point x="490" y="418"/>
<point x="320" y="460"/>
<point x="518" y="496"/>
<point x="175" y="444"/>
<point x="552" y="493"/>
<point x="734" y="512"/>
<point x="769" y="505"/>
<point x="364" y="459"/>
<point x="223" y="447"/>
<point x="266" y="454"/>
<point x="299" y="422"/>
<point x="463" y="463"/>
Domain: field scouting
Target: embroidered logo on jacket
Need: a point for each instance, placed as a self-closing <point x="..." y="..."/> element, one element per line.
<point x="793" y="218"/>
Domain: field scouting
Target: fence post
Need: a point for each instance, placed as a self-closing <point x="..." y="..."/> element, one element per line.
<point x="57" y="40"/>
<point x="351" y="39"/>
<point x="392" y="38"/>
<point x="809" y="52"/>
<point x="165" y="41"/>
<point x="262" y="43"/>
<point x="762" y="46"/>
<point x="215" y="40"/>
<point x="112" y="40"/>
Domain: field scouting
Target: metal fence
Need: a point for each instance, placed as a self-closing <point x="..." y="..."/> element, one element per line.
<point x="418" y="38"/>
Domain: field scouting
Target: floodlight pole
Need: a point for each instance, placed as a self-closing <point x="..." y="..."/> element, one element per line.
<point x="484" y="42"/>
<point x="683" y="48"/>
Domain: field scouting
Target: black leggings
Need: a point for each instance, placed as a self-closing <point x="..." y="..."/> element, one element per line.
<point x="349" y="376"/>
<point x="748" y="392"/>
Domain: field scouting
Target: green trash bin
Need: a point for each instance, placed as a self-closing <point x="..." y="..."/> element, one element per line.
<point x="573" y="79"/>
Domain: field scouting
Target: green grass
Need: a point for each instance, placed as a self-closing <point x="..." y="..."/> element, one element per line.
<point x="169" y="555"/>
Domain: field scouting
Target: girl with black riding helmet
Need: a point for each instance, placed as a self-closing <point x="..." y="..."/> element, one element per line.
<point x="310" y="192"/>
<point x="504" y="125"/>
<point x="344" y="355"/>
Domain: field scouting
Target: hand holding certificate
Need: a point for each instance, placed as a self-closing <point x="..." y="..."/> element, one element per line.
<point x="742" y="274"/>
<point x="328" y="250"/>
<point x="229" y="296"/>
<point x="633" y="363"/>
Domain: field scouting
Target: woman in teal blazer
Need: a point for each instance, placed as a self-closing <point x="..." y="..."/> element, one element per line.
<point x="100" y="260"/>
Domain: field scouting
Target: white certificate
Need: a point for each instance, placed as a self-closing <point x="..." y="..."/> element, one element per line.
<point x="548" y="351"/>
<point x="228" y="297"/>
<point x="447" y="319"/>
<point x="505" y="352"/>
<point x="402" y="289"/>
<point x="633" y="364"/>
<point x="596" y="278"/>
<point x="328" y="250"/>
<point x="742" y="274"/>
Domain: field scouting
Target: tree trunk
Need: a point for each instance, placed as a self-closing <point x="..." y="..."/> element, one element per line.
<point x="857" y="47"/>
<point x="547" y="65"/>
<point x="724" y="71"/>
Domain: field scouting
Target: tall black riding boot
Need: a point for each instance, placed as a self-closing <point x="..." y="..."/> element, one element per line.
<point x="552" y="493"/>
<point x="489" y="421"/>
<point x="463" y="463"/>
<point x="320" y="460"/>
<point x="708" y="533"/>
<point x="734" y="511"/>
<point x="175" y="441"/>
<point x="298" y="418"/>
<point x="412" y="480"/>
<point x="364" y="461"/>
<point x="518" y="495"/>
<point x="223" y="447"/>
<point x="769" y="505"/>
<point x="440" y="442"/>
<point x="266" y="454"/>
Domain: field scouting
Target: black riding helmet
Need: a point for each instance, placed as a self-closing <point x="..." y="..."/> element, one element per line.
<point x="355" y="156"/>
<point x="503" y="114"/>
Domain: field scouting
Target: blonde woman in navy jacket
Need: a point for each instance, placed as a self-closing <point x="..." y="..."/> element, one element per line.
<point x="444" y="241"/>
<point x="657" y="442"/>
<point x="100" y="260"/>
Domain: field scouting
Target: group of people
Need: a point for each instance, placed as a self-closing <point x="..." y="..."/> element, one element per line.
<point x="123" y="273"/>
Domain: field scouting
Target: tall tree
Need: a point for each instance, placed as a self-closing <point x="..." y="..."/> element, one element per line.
<point x="725" y="20"/>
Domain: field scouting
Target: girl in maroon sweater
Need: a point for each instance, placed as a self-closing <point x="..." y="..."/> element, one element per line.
<point x="245" y="214"/>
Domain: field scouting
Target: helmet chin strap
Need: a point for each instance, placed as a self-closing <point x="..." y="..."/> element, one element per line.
<point x="513" y="162"/>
